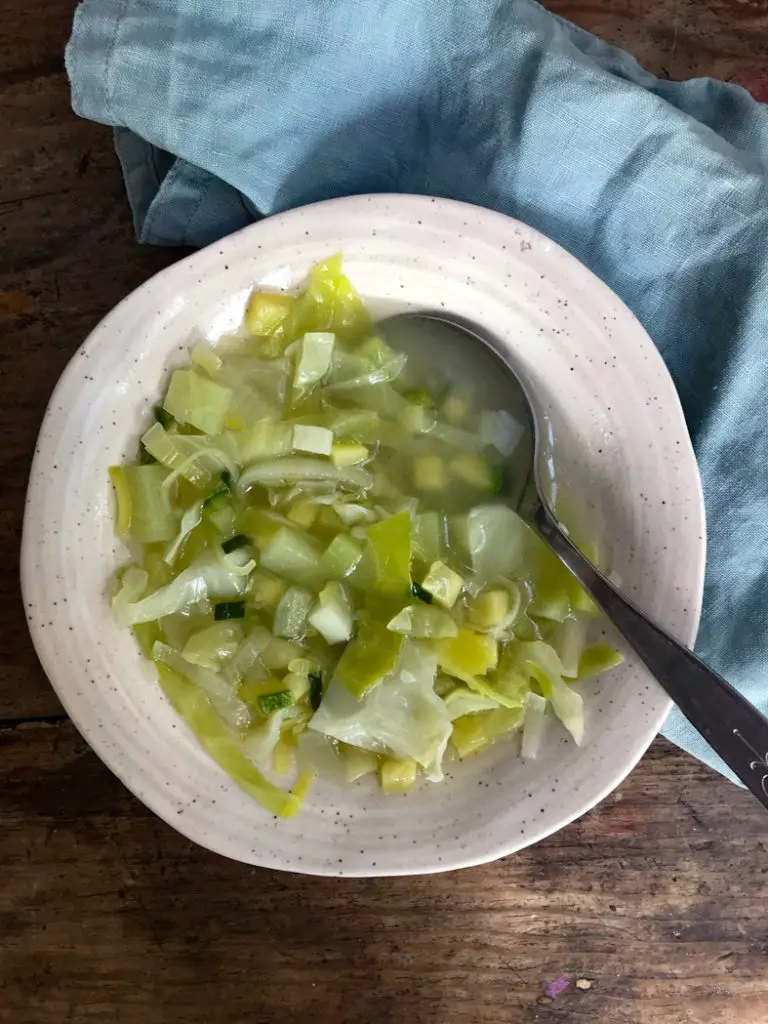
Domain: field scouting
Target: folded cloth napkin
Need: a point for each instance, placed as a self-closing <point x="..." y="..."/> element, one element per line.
<point x="224" y="111"/>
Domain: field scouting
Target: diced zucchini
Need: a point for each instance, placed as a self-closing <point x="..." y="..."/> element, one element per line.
<point x="443" y="584"/>
<point x="198" y="401"/>
<point x="271" y="702"/>
<point x="429" y="473"/>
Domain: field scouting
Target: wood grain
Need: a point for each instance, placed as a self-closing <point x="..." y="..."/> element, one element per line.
<point x="657" y="898"/>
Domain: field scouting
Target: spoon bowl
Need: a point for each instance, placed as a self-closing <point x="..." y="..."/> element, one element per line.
<point x="732" y="726"/>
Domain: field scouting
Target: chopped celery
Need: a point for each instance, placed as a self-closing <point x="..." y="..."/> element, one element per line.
<point x="214" y="645"/>
<point x="292" y="612"/>
<point x="423" y="622"/>
<point x="569" y="638"/>
<point x="317" y="440"/>
<point x="195" y="400"/>
<point x="332" y="615"/>
<point x="533" y="725"/>
<point x="151" y="516"/>
<point x="430" y="473"/>
<point x="340" y="558"/>
<point x="398" y="775"/>
<point x="292" y="555"/>
<point x="195" y="708"/>
<point x="443" y="584"/>
<point x="266" y="439"/>
<point x="293" y="469"/>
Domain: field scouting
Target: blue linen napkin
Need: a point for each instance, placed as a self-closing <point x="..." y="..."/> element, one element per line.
<point x="226" y="110"/>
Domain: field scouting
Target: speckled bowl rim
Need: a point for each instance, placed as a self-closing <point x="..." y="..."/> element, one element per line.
<point x="187" y="268"/>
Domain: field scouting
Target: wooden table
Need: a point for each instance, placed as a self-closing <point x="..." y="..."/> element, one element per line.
<point x="655" y="902"/>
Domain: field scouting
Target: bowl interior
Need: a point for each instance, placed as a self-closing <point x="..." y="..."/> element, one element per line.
<point x="626" y="478"/>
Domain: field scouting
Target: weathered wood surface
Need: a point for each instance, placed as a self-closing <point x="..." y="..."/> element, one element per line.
<point x="658" y="898"/>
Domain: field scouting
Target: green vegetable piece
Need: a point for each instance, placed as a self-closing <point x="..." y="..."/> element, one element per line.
<point x="238" y="541"/>
<point x="423" y="622"/>
<point x="192" y="704"/>
<point x="443" y="584"/>
<point x="313" y="363"/>
<point x="373" y="654"/>
<point x="229" y="610"/>
<point x="271" y="702"/>
<point x="398" y="775"/>
<point x="390" y="545"/>
<point x="198" y="401"/>
<point x="423" y="595"/>
<point x="267" y="312"/>
<point x="596" y="659"/>
<point x="472" y="733"/>
<point x="340" y="558"/>
<point x="163" y="418"/>
<point x="291" y="613"/>
<point x="315" y="689"/>
<point x="292" y="555"/>
<point x="332" y="615"/>
<point x="151" y="517"/>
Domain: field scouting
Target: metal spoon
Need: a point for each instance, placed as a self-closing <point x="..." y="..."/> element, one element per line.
<point x="728" y="722"/>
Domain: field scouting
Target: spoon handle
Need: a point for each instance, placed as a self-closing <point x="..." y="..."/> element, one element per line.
<point x="729" y="723"/>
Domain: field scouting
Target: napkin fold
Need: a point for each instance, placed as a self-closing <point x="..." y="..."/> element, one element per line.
<point x="230" y="110"/>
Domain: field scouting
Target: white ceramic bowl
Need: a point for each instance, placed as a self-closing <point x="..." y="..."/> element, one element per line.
<point x="620" y="439"/>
